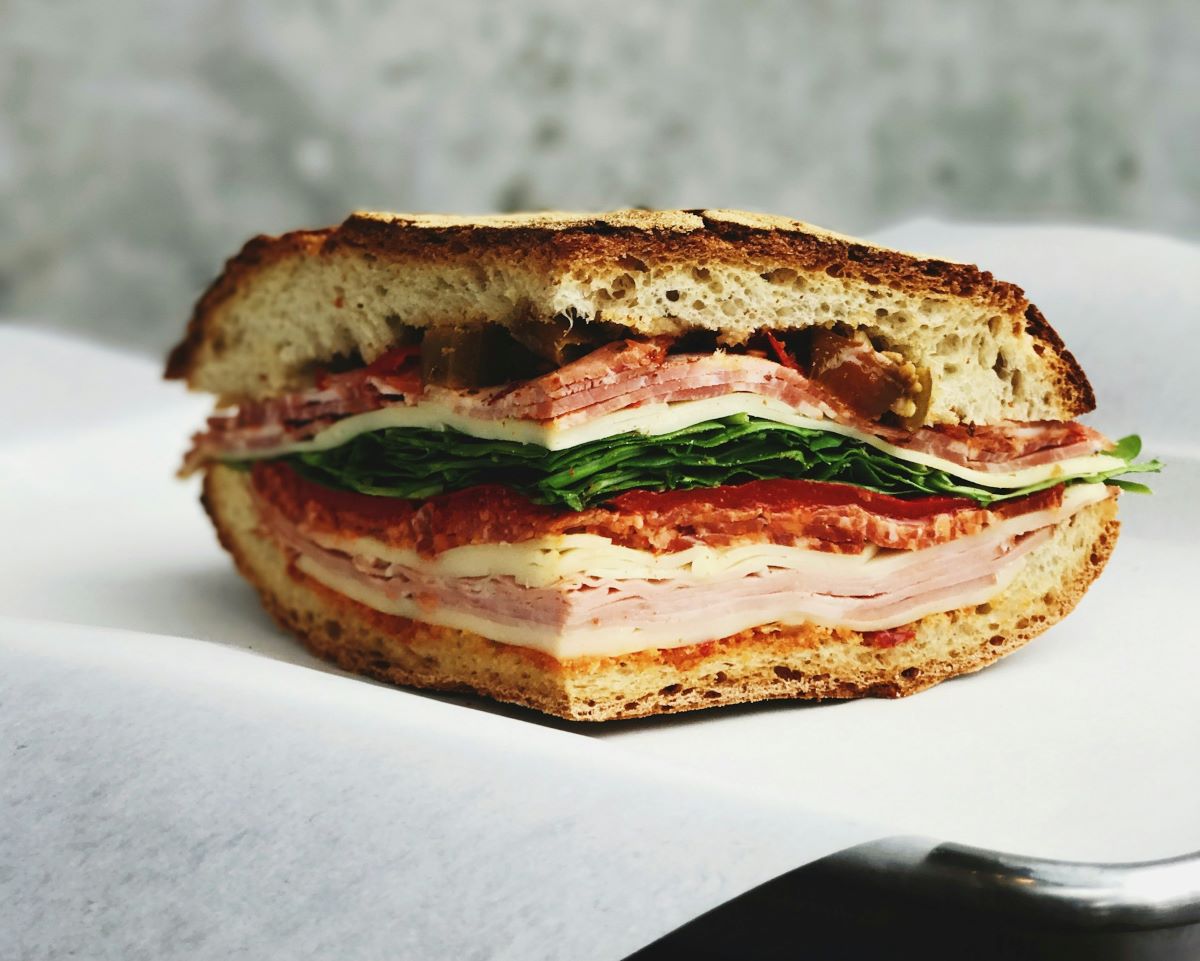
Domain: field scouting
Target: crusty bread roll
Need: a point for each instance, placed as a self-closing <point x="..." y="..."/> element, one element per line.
<point x="287" y="305"/>
<point x="608" y="466"/>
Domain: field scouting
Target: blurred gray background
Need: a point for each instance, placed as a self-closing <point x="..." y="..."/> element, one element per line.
<point x="142" y="142"/>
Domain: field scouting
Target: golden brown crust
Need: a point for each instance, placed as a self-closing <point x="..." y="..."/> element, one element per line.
<point x="766" y="663"/>
<point x="559" y="243"/>
<point x="699" y="236"/>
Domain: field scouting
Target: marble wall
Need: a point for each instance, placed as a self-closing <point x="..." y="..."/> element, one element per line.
<point x="141" y="142"/>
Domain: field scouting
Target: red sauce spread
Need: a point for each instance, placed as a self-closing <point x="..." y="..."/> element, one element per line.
<point x="785" y="493"/>
<point x="822" y="516"/>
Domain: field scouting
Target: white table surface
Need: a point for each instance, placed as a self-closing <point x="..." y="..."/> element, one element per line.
<point x="164" y="797"/>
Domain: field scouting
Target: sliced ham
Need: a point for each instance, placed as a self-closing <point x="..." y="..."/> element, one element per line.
<point x="629" y="373"/>
<point x="616" y="377"/>
<point x="591" y="615"/>
<point x="1007" y="446"/>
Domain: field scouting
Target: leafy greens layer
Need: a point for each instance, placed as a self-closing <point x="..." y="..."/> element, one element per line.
<point x="418" y="463"/>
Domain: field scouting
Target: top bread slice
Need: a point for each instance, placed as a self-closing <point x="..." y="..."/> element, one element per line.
<point x="285" y="306"/>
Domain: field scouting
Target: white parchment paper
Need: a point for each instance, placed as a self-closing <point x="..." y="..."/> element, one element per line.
<point x="165" y="798"/>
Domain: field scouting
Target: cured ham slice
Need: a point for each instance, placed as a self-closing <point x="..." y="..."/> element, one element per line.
<point x="584" y="613"/>
<point x="618" y="377"/>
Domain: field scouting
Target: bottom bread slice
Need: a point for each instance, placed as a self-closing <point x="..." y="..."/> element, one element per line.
<point x="773" y="661"/>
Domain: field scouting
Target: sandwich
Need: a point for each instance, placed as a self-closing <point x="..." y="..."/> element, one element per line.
<point x="608" y="466"/>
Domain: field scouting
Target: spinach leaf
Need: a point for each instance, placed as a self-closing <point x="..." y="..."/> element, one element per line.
<point x="418" y="463"/>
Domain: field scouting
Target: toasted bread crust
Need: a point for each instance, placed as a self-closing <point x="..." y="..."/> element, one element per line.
<point x="576" y="245"/>
<point x="698" y="236"/>
<point x="804" y="662"/>
<point x="1046" y="338"/>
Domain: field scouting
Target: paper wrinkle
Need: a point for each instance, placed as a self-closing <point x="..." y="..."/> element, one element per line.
<point x="165" y="798"/>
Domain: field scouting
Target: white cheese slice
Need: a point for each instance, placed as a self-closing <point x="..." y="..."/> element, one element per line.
<point x="545" y="561"/>
<point x="562" y="561"/>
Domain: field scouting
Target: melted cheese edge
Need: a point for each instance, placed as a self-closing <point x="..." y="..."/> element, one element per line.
<point x="656" y="419"/>
<point x="545" y="561"/>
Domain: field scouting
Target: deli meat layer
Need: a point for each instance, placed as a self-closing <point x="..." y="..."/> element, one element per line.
<point x="820" y="516"/>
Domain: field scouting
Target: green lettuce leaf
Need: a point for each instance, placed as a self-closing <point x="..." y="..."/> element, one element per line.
<point x="415" y="463"/>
